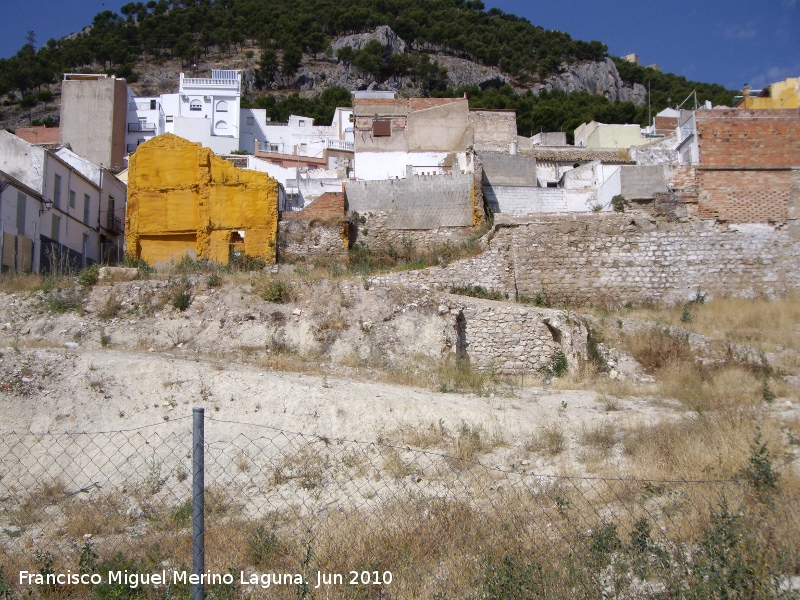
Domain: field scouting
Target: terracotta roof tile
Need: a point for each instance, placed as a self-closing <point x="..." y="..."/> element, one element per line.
<point x="575" y="153"/>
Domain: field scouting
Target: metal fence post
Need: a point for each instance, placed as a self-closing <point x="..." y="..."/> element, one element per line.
<point x="198" y="504"/>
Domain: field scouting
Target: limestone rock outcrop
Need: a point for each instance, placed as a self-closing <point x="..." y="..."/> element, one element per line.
<point x="599" y="77"/>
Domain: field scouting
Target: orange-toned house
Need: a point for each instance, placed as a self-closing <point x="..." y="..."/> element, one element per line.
<point x="184" y="200"/>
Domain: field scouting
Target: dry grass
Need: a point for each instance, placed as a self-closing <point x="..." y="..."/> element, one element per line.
<point x="602" y="436"/>
<point x="771" y="323"/>
<point x="659" y="347"/>
<point x="701" y="389"/>
<point x="460" y="532"/>
<point x="470" y="442"/>
<point x="549" y="439"/>
<point x="709" y="446"/>
<point x="100" y="516"/>
<point x="421" y="436"/>
<point x="111" y="307"/>
<point x="445" y="376"/>
<point x="31" y="509"/>
<point x="467" y="443"/>
<point x="11" y="283"/>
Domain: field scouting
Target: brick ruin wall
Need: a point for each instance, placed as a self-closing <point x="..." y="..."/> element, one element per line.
<point x="612" y="261"/>
<point x="609" y="259"/>
<point x="750" y="163"/>
<point x="510" y="338"/>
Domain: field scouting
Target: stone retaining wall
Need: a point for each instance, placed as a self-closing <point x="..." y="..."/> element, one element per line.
<point x="616" y="258"/>
<point x="374" y="230"/>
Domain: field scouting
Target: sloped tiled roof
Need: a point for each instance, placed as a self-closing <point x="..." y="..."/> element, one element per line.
<point x="578" y="154"/>
<point x="39" y="135"/>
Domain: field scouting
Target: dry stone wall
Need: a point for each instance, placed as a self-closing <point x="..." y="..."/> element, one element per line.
<point x="615" y="258"/>
<point x="505" y="337"/>
<point x="610" y="259"/>
<point x="300" y="240"/>
<point x="510" y="338"/>
<point x="375" y="231"/>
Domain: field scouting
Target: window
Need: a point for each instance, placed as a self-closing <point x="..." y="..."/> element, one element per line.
<point x="87" y="203"/>
<point x="55" y="228"/>
<point x="222" y="106"/>
<point x="85" y="248"/>
<point x="20" y="213"/>
<point x="195" y="105"/>
<point x="382" y="128"/>
<point x="72" y="202"/>
<point x="302" y="123"/>
<point x="303" y="148"/>
<point x="110" y="214"/>
<point x="170" y="118"/>
<point x="153" y="105"/>
<point x="57" y="190"/>
<point x="251" y="121"/>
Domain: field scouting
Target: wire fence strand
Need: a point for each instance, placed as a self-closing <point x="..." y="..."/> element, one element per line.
<point x="294" y="515"/>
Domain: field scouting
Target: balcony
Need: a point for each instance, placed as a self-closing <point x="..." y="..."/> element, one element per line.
<point x="114" y="224"/>
<point x="144" y="127"/>
<point x="270" y="148"/>
<point x="339" y="145"/>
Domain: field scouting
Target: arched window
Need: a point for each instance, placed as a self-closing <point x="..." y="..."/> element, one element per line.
<point x="222" y="106"/>
<point x="195" y="105"/>
<point x="221" y="126"/>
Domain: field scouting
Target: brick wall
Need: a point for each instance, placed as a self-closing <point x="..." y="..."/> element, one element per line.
<point x="745" y="196"/>
<point x="493" y="129"/>
<point x="643" y="181"/>
<point x="329" y="206"/>
<point x="418" y="202"/>
<point x="749" y="163"/>
<point x="749" y="138"/>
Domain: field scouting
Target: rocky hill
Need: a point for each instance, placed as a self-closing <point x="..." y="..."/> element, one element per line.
<point x="420" y="48"/>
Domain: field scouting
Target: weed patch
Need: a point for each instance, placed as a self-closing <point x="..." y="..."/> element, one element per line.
<point x="478" y="291"/>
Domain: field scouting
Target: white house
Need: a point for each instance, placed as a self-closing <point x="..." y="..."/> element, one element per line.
<point x="205" y="110"/>
<point x="208" y="111"/>
<point x="64" y="208"/>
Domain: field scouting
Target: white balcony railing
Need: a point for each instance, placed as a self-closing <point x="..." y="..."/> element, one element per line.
<point x="144" y="127"/>
<point x="204" y="82"/>
<point x="339" y="145"/>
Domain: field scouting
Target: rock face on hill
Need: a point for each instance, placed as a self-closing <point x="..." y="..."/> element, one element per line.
<point x="597" y="78"/>
<point x="315" y="75"/>
<point x="382" y="34"/>
<point x="318" y="73"/>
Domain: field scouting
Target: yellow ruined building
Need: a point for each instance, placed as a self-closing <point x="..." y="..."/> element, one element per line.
<point x="184" y="200"/>
<point x="780" y="95"/>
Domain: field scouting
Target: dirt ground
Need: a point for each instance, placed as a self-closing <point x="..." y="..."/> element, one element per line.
<point x="127" y="358"/>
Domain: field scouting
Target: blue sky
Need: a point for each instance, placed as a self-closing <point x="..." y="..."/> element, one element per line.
<point x="730" y="42"/>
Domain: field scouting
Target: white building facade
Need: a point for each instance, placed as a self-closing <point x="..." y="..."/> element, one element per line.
<point x="205" y="110"/>
<point x="58" y="210"/>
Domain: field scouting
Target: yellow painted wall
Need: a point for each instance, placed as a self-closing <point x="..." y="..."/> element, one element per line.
<point x="182" y="199"/>
<point x="783" y="94"/>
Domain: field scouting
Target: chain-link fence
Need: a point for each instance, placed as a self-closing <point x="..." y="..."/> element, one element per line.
<point x="290" y="515"/>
